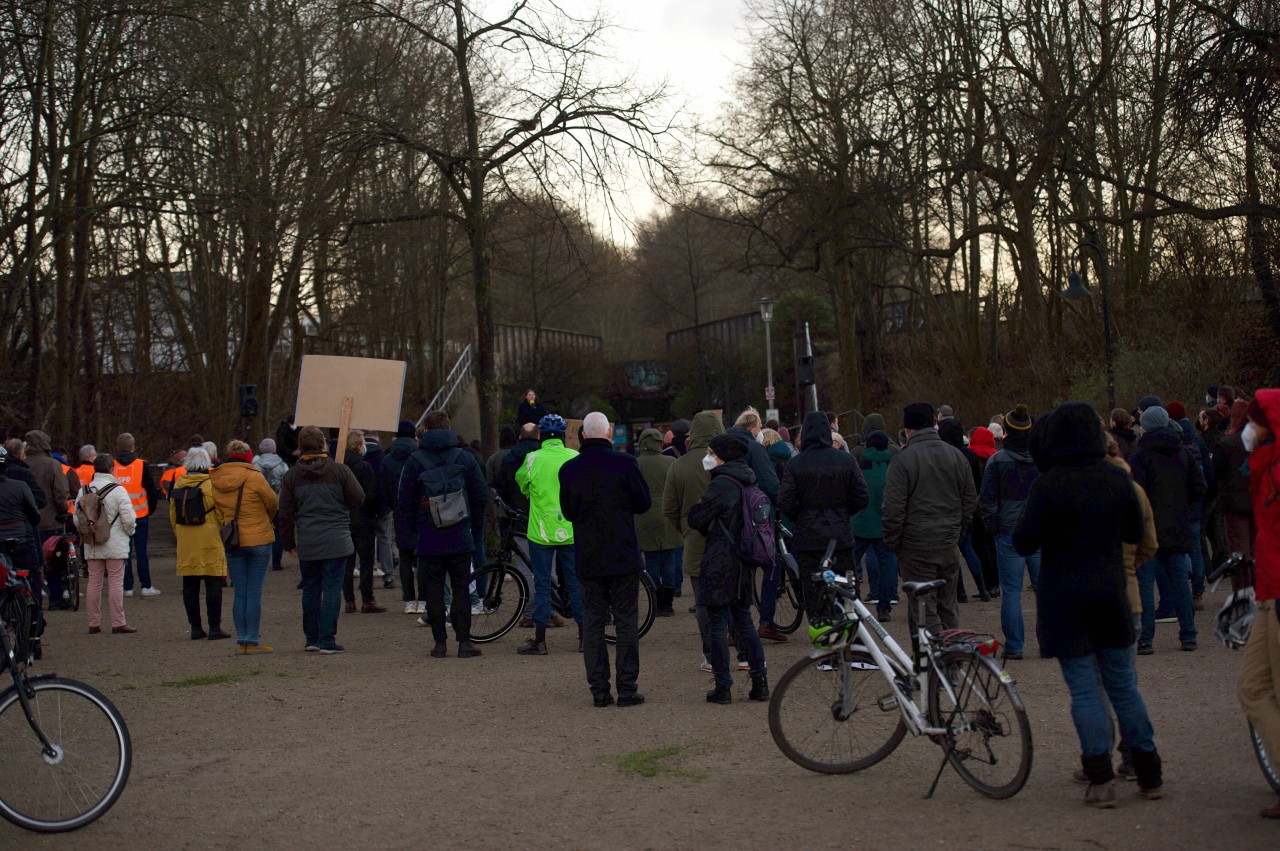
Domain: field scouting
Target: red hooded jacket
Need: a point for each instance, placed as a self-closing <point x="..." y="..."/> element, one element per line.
<point x="1264" y="489"/>
<point x="983" y="443"/>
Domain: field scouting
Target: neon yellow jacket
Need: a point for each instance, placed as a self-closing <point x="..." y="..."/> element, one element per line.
<point x="539" y="480"/>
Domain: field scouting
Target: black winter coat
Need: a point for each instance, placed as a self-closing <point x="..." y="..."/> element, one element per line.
<point x="822" y="488"/>
<point x="601" y="492"/>
<point x="1231" y="463"/>
<point x="364" y="518"/>
<point x="20" y="472"/>
<point x="718" y="516"/>
<point x="19" y="515"/>
<point x="530" y="413"/>
<point x="1170" y="474"/>
<point x="441" y="445"/>
<point x="1079" y="513"/>
<point x="389" y="485"/>
<point x="507" y="487"/>
<point x="760" y="463"/>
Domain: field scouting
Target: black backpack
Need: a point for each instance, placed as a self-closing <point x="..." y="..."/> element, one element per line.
<point x="188" y="504"/>
<point x="443" y="489"/>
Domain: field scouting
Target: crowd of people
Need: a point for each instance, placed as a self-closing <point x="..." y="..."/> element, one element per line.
<point x="1110" y="524"/>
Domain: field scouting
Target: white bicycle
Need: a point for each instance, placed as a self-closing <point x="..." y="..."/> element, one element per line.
<point x="848" y="704"/>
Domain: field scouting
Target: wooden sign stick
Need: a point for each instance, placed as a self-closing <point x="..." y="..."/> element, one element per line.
<point x="344" y="424"/>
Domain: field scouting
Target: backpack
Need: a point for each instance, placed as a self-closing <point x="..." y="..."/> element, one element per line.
<point x="91" y="520"/>
<point x="188" y="503"/>
<point x="757" y="542"/>
<point x="444" y="489"/>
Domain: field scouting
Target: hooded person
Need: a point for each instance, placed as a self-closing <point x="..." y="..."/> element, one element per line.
<point x="393" y="461"/>
<point x="868" y="527"/>
<point x="661" y="544"/>
<point x="677" y="445"/>
<point x="19" y="516"/>
<point x="1170" y="474"/>
<point x="725" y="584"/>
<point x="983" y="443"/>
<point x="55" y="513"/>
<point x="1200" y="449"/>
<point x="686" y="481"/>
<point x="874" y="423"/>
<point x="1231" y="470"/>
<point x="493" y="464"/>
<point x="1080" y="513"/>
<point x="1002" y="498"/>
<point x="951" y="430"/>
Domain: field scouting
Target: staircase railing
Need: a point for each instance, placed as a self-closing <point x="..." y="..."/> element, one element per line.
<point x="457" y="379"/>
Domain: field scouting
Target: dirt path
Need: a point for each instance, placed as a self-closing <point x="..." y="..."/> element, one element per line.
<point x="386" y="747"/>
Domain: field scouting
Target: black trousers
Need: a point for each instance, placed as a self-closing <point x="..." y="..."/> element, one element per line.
<point x="432" y="570"/>
<point x="409" y="590"/>
<point x="621" y="594"/>
<point x="363" y="538"/>
<point x="212" y="599"/>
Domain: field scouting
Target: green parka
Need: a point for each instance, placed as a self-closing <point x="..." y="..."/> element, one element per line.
<point x="652" y="528"/>
<point x="685" y="483"/>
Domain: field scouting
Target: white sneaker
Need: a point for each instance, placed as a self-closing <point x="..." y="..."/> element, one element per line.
<point x="705" y="667"/>
<point x="151" y="592"/>
<point x="379" y="573"/>
<point x="422" y="607"/>
<point x="129" y="593"/>
<point x="356" y="573"/>
<point x="411" y="608"/>
<point x="479" y="609"/>
<point x="422" y="621"/>
<point x="744" y="665"/>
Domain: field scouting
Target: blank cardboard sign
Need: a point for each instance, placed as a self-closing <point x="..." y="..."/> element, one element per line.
<point x="375" y="387"/>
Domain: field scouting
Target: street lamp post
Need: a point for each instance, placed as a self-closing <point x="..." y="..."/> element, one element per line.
<point x="766" y="313"/>
<point x="1077" y="290"/>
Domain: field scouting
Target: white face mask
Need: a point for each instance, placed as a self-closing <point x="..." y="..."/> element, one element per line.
<point x="709" y="462"/>
<point x="1250" y="437"/>
<point x="760" y="437"/>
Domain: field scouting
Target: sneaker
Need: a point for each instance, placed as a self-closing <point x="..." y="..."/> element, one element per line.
<point x="129" y="593"/>
<point x="388" y="583"/>
<point x="526" y="622"/>
<point x="151" y="592"/>
<point x="332" y="650"/>
<point x="1197" y="602"/>
<point x="705" y="667"/>
<point x="422" y="621"/>
<point x="422" y="607"/>
<point x="1166" y="617"/>
<point x="411" y="608"/>
<point x="556" y="621"/>
<point x="479" y="609"/>
<point x="1155" y="793"/>
<point x="312" y="648"/>
<point x="885" y="616"/>
<point x="532" y="648"/>
<point x="1015" y="655"/>
<point x="255" y="649"/>
<point x="744" y="665"/>
<point x="769" y="632"/>
<point x="1125" y="771"/>
<point x="872" y="600"/>
<point x="633" y="699"/>
<point x="350" y="607"/>
<point x="1189" y="646"/>
<point x="1145" y="650"/>
<point x="1101" y="795"/>
<point x="379" y="573"/>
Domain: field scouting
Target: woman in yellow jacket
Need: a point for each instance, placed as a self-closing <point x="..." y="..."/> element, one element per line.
<point x="200" y="552"/>
<point x="242" y="492"/>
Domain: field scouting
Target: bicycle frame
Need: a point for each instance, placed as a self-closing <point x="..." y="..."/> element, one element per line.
<point x="20" y="679"/>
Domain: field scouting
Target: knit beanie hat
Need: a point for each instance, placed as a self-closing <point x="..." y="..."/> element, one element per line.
<point x="1176" y="410"/>
<point x="1154" y="417"/>
<point x="1257" y="415"/>
<point x="267" y="446"/>
<point x="1150" y="402"/>
<point x="405" y="429"/>
<point x="917" y="415"/>
<point x="729" y="447"/>
<point x="1019" y="419"/>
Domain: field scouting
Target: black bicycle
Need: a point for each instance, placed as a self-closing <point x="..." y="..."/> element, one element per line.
<point x="505" y="594"/>
<point x="789" y="608"/>
<point x="65" y="748"/>
<point x="1238" y="613"/>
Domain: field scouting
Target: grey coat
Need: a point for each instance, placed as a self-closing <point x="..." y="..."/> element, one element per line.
<point x="929" y="497"/>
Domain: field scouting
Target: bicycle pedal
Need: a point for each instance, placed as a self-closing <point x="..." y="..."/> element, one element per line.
<point x="888" y="703"/>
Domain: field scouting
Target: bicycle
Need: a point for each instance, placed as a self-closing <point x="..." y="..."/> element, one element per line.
<point x="847" y="705"/>
<point x="65" y="747"/>
<point x="506" y="595"/>
<point x="789" y="608"/>
<point x="1239" y="566"/>
<point x="67" y="562"/>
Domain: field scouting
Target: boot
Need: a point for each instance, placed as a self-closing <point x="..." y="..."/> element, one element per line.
<point x="720" y="694"/>
<point x="759" y="688"/>
<point x="1102" y="786"/>
<point x="665" y="609"/>
<point x="1147" y="765"/>
<point x="466" y="650"/>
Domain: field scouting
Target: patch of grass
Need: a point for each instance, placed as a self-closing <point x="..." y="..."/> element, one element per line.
<point x="205" y="680"/>
<point x="647" y="763"/>
<point x="128" y="687"/>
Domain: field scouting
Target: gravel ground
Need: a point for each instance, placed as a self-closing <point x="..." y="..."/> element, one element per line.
<point x="386" y="747"/>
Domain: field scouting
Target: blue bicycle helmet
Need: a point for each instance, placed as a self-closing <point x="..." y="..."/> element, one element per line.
<point x="552" y="424"/>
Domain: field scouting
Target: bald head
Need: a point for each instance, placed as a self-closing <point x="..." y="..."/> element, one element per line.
<point x="596" y="425"/>
<point x="529" y="431"/>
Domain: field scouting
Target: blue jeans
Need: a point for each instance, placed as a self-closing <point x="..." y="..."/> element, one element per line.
<point x="1197" y="560"/>
<point x="321" y="600"/>
<point x="138" y="544"/>
<point x="1176" y="569"/>
<point x="1012" y="566"/>
<point x="770" y="578"/>
<point x="540" y="556"/>
<point x="1086" y="677"/>
<point x="248" y="569"/>
<point x="663" y="567"/>
<point x="882" y="570"/>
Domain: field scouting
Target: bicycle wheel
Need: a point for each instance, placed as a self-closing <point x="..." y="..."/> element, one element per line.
<point x="1269" y="769"/>
<point x="16" y="614"/>
<point x="85" y="776"/>
<point x="989" y="743"/>
<point x="813" y="726"/>
<point x="789" y="613"/>
<point x="72" y="582"/>
<point x="646" y="610"/>
<point x="505" y="598"/>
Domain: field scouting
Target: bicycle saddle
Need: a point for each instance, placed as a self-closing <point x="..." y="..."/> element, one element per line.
<point x="920" y="587"/>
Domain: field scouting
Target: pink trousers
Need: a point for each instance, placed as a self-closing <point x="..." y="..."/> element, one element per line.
<point x="113" y="569"/>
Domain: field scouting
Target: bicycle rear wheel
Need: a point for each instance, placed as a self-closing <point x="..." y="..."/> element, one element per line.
<point x="505" y="598"/>
<point x="814" y="727"/>
<point x="1269" y="768"/>
<point x="646" y="610"/>
<point x="72" y="581"/>
<point x="989" y="743"/>
<point x="789" y="613"/>
<point x="17" y="616"/>
<point x="51" y="794"/>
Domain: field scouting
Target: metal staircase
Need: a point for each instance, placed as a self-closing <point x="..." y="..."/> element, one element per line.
<point x="458" y="379"/>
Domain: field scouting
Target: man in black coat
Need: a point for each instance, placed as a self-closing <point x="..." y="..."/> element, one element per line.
<point x="1170" y="474"/>
<point x="821" y="489"/>
<point x="749" y="425"/>
<point x="601" y="491"/>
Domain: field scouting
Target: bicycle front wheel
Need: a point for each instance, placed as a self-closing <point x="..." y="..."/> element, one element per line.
<point x="789" y="613"/>
<point x="1269" y="769"/>
<point x="505" y="598"/>
<point x="816" y="728"/>
<point x="989" y="738"/>
<point x="88" y="769"/>
<point x="646" y="610"/>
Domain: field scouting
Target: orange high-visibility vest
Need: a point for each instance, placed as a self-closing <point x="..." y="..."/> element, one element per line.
<point x="130" y="478"/>
<point x="85" y="473"/>
<point x="169" y="476"/>
<point x="71" y="503"/>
